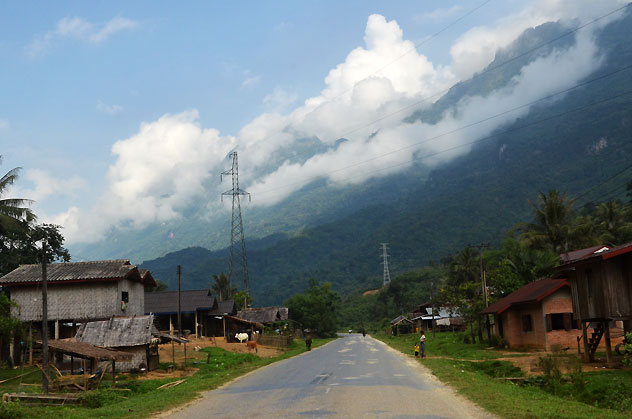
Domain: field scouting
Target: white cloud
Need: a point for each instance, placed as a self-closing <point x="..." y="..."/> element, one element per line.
<point x="46" y="185"/>
<point x="438" y="14"/>
<point x="109" y="109"/>
<point x="250" y="81"/>
<point x="80" y="29"/>
<point x="4" y="123"/>
<point x="279" y="99"/>
<point x="157" y="173"/>
<point x="110" y="28"/>
<point x="167" y="164"/>
<point x="476" y="48"/>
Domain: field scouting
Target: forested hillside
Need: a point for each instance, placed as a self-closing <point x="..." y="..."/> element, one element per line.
<point x="581" y="144"/>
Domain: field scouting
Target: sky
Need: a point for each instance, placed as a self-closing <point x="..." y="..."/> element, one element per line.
<point x="122" y="113"/>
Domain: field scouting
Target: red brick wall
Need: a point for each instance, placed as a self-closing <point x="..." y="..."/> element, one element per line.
<point x="512" y="327"/>
<point x="539" y="338"/>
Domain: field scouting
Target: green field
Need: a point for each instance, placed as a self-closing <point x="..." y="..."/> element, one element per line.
<point x="474" y="371"/>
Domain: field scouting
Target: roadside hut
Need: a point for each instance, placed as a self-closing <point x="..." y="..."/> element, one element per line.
<point x="401" y="325"/>
<point x="601" y="286"/>
<point x="195" y="306"/>
<point x="127" y="334"/>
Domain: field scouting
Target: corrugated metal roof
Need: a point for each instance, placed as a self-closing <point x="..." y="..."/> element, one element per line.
<point x="604" y="255"/>
<point x="117" y="332"/>
<point x="261" y="314"/>
<point x="532" y="292"/>
<point x="166" y="302"/>
<point x="224" y="307"/>
<point x="581" y="253"/>
<point x="101" y="270"/>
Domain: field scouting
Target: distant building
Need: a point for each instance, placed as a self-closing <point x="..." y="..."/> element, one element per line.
<point x="264" y="315"/>
<point x="128" y="334"/>
<point x="538" y="316"/>
<point x="200" y="312"/>
<point x="77" y="292"/>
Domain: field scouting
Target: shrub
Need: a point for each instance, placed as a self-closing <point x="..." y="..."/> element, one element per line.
<point x="11" y="410"/>
<point x="98" y="398"/>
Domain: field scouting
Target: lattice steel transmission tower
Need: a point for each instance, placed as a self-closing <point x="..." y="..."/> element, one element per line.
<point x="238" y="263"/>
<point x="387" y="275"/>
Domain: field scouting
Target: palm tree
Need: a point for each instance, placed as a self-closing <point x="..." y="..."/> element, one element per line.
<point x="12" y="210"/>
<point x="552" y="226"/>
<point x="611" y="218"/>
<point x="221" y="287"/>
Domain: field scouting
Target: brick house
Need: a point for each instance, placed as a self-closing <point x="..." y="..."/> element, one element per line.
<point x="538" y="316"/>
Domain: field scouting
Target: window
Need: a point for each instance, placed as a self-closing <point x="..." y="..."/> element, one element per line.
<point x="527" y="325"/>
<point x="125" y="296"/>
<point x="557" y="321"/>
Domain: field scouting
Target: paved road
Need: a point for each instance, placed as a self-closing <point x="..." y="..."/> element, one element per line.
<point x="352" y="377"/>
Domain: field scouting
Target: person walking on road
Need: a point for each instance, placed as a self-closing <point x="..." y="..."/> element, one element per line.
<point x="422" y="344"/>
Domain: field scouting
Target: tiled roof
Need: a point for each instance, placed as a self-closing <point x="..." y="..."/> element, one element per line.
<point x="166" y="302"/>
<point x="117" y="332"/>
<point x="147" y="278"/>
<point x="532" y="292"/>
<point x="581" y="253"/>
<point x="101" y="270"/>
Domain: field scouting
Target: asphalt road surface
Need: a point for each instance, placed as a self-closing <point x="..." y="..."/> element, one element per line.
<point x="351" y="377"/>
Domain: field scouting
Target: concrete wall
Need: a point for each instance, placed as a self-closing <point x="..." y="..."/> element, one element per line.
<point x="78" y="301"/>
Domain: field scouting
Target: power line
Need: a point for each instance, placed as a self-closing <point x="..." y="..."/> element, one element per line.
<point x="427" y="140"/>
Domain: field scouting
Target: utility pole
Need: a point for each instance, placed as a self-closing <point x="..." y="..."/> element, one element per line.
<point x="480" y="248"/>
<point x="238" y="263"/>
<point x="179" y="311"/>
<point x="387" y="275"/>
<point x="432" y="306"/>
<point x="44" y="321"/>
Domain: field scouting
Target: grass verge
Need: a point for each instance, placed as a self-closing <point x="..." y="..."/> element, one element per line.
<point x="143" y="397"/>
<point x="479" y="382"/>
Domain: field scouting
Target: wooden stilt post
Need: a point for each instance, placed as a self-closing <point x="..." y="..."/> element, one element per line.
<point x="30" y="343"/>
<point x="606" y="330"/>
<point x="197" y="328"/>
<point x="113" y="373"/>
<point x="587" y="357"/>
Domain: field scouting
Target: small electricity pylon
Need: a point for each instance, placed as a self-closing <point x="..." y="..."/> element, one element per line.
<point x="238" y="264"/>
<point x="387" y="275"/>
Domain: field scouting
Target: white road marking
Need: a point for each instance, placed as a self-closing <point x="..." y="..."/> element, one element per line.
<point x="374" y="350"/>
<point x="327" y="391"/>
<point x="399" y="375"/>
<point x="344" y="350"/>
<point x="372" y="361"/>
<point x="347" y="362"/>
<point x="350" y="378"/>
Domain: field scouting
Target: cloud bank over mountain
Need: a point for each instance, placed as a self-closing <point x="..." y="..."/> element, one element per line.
<point x="173" y="162"/>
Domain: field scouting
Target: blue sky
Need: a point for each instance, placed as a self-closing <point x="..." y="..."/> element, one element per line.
<point x="78" y="77"/>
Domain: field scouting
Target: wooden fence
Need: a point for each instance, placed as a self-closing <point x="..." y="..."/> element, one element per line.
<point x="275" y="341"/>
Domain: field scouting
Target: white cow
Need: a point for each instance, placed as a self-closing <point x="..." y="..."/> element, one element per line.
<point x="241" y="337"/>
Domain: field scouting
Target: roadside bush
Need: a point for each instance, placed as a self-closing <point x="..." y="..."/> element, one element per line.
<point x="497" y="368"/>
<point x="11" y="410"/>
<point x="498" y="342"/>
<point x="98" y="398"/>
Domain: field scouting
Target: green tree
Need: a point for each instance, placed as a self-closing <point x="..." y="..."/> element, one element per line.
<point x="316" y="309"/>
<point x="222" y="288"/>
<point x="552" y="226"/>
<point x="12" y="210"/>
<point x="239" y="298"/>
<point x="612" y="220"/>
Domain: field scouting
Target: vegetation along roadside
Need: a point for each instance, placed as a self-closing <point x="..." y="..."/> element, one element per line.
<point x="137" y="397"/>
<point x="476" y="372"/>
